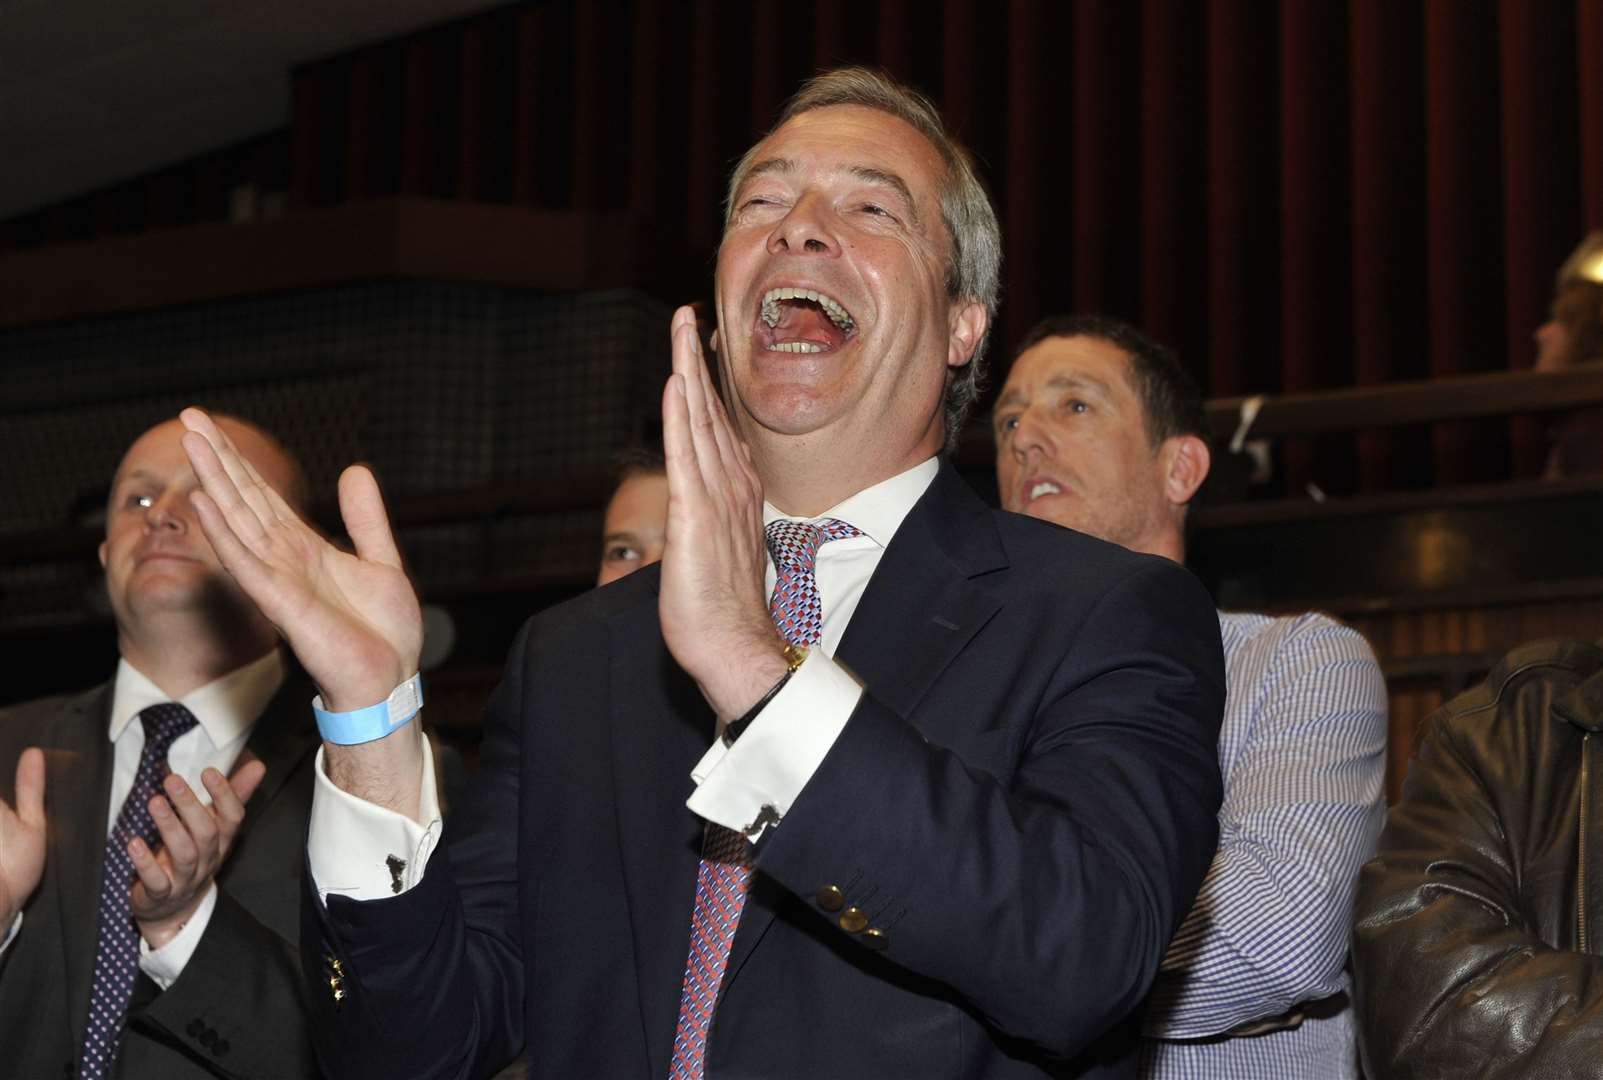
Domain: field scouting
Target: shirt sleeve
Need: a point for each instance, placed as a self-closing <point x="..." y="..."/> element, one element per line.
<point x="364" y="851"/>
<point x="165" y="964"/>
<point x="1303" y="807"/>
<point x="11" y="933"/>
<point x="752" y="784"/>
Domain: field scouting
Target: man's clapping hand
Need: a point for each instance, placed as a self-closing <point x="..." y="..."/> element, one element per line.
<point x="352" y="620"/>
<point x="195" y="838"/>
<point x="714" y="613"/>
<point x="22" y="838"/>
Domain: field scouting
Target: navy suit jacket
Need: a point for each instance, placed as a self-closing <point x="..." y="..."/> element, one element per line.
<point x="1023" y="803"/>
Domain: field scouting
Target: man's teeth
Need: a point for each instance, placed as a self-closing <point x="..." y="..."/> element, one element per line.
<point x="837" y="314"/>
<point x="1045" y="487"/>
<point x="796" y="346"/>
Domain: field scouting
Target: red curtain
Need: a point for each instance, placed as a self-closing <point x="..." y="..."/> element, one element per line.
<point x="1297" y="195"/>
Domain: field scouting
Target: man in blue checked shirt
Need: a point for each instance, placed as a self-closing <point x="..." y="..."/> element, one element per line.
<point x="1101" y="430"/>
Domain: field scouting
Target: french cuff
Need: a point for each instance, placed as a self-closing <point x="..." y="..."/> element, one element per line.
<point x="752" y="784"/>
<point x="11" y="933"/>
<point x="365" y="851"/>
<point x="165" y="964"/>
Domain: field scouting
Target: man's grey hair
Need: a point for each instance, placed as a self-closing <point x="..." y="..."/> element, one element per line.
<point x="974" y="262"/>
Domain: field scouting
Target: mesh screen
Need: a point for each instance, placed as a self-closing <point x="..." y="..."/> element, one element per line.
<point x="442" y="387"/>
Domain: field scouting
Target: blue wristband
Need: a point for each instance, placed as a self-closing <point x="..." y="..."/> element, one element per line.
<point x="373" y="722"/>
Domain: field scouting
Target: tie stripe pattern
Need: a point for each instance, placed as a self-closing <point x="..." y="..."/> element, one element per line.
<point x="117" y="940"/>
<point x="725" y="872"/>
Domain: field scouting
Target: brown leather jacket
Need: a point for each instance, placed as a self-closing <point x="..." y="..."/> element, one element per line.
<point x="1478" y="949"/>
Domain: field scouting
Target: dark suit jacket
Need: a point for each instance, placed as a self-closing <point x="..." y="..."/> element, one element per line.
<point x="1023" y="803"/>
<point x="236" y="1010"/>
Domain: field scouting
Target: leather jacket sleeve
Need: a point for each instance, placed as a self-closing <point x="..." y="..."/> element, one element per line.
<point x="1451" y="978"/>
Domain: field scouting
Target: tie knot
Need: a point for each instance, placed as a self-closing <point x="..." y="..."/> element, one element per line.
<point x="796" y="543"/>
<point x="163" y="724"/>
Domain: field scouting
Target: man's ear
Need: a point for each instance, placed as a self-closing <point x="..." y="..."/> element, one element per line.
<point x="968" y="321"/>
<point x="1186" y="463"/>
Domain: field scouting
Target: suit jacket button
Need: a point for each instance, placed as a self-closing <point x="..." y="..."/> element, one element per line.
<point x="852" y="920"/>
<point x="830" y="898"/>
<point x="195" y="1027"/>
<point x="221" y="1048"/>
<point x="208" y="1038"/>
<point x="874" y="938"/>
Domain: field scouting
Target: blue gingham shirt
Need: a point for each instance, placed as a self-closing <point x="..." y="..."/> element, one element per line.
<point x="1303" y="754"/>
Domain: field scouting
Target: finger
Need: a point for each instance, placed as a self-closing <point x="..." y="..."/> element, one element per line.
<point x="251" y="491"/>
<point x="366" y="521"/>
<point x="198" y="818"/>
<point x="175" y="839"/>
<point x="153" y="877"/>
<point x="717" y="417"/>
<point x="229" y="795"/>
<point x="242" y="784"/>
<point x="685" y="479"/>
<point x="678" y="448"/>
<point x="218" y="483"/>
<point x="703" y="435"/>
<point x="253" y="575"/>
<point x="274" y="508"/>
<point x="30" y="789"/>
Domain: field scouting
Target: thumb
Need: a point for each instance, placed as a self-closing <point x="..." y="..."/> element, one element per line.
<point x="362" y="509"/>
<point x="31" y="788"/>
<point x="246" y="778"/>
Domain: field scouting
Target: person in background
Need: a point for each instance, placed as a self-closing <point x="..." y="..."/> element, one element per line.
<point x="151" y="845"/>
<point x="1574" y="335"/>
<point x="1101" y="430"/>
<point x="1475" y="950"/>
<point x="636" y="523"/>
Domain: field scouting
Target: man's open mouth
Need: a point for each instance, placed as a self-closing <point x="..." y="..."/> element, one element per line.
<point x="803" y="321"/>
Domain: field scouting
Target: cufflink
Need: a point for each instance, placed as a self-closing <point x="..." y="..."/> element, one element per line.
<point x="335" y="971"/>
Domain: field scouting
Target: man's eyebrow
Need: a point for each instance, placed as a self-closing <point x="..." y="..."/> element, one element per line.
<point x="768" y="165"/>
<point x="1009" y="397"/>
<point x="132" y="474"/>
<point x="867" y="173"/>
<point x="1072" y="381"/>
<point x="1079" y="380"/>
<point x="891" y="180"/>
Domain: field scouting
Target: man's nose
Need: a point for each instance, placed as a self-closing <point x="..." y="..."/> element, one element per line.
<point x="166" y="512"/>
<point x="1029" y="437"/>
<point x="807" y="228"/>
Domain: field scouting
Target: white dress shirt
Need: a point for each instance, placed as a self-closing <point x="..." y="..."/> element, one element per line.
<point x="351" y="839"/>
<point x="225" y="710"/>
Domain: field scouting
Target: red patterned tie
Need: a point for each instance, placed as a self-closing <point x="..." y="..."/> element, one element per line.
<point x="725" y="871"/>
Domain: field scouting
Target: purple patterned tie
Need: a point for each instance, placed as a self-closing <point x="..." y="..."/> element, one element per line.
<point x="725" y="871"/>
<point x="117" y="944"/>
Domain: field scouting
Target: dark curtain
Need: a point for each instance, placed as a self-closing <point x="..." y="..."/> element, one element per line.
<point x="1298" y="195"/>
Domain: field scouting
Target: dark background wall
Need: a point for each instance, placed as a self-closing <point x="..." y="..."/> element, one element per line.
<point x="1299" y="195"/>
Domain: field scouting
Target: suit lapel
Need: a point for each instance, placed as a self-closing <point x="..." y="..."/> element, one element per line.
<point x="284" y="734"/>
<point x="660" y="728"/>
<point x="922" y="607"/>
<point x="78" y="794"/>
<point x="919" y="610"/>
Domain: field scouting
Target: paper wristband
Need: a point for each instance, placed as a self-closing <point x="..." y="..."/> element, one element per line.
<point x="373" y="722"/>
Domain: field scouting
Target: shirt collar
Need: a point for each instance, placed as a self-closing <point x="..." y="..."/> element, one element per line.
<point x="225" y="708"/>
<point x="878" y="511"/>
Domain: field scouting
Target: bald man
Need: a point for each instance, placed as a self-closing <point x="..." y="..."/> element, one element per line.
<point x="151" y="845"/>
